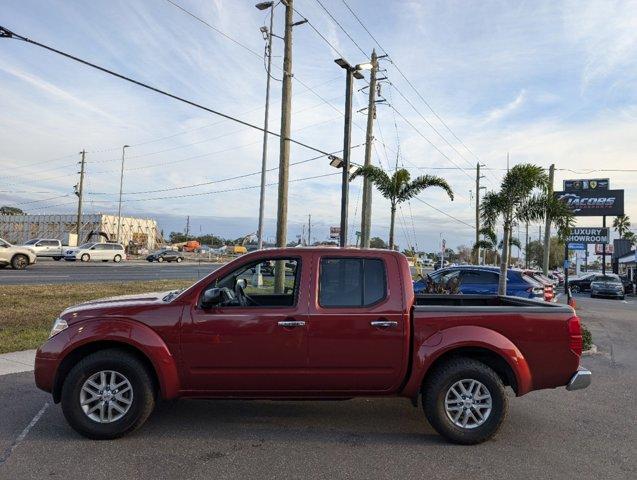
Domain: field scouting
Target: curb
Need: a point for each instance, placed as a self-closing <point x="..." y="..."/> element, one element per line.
<point x="590" y="351"/>
<point x="17" y="362"/>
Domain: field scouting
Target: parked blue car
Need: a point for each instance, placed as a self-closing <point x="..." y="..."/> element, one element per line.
<point x="483" y="280"/>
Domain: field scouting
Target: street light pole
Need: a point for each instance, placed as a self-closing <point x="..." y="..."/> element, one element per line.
<point x="350" y="73"/>
<point x="121" y="183"/>
<point x="264" y="155"/>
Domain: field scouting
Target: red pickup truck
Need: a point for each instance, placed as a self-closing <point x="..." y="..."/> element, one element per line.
<point x="322" y="324"/>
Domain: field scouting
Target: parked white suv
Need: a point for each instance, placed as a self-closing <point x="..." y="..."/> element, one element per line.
<point x="96" y="251"/>
<point x="18" y="257"/>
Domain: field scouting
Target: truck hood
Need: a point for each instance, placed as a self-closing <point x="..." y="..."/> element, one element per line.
<point x="112" y="306"/>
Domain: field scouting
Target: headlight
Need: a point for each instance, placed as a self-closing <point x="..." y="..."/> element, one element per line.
<point x="59" y="325"/>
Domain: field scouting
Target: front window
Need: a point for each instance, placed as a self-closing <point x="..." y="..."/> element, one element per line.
<point x="253" y="284"/>
<point x="86" y="245"/>
<point x="32" y="242"/>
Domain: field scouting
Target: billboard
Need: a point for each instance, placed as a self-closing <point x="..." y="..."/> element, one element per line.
<point x="599" y="248"/>
<point x="586" y="184"/>
<point x="588" y="235"/>
<point x="594" y="203"/>
<point x="335" y="232"/>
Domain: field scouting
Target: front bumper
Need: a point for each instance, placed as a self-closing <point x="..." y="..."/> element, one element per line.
<point x="580" y="380"/>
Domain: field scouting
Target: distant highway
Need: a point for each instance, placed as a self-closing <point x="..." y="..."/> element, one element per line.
<point x="49" y="271"/>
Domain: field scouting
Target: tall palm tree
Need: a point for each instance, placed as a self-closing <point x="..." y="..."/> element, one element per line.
<point x="621" y="224"/>
<point x="488" y="242"/>
<point x="399" y="188"/>
<point x="510" y="204"/>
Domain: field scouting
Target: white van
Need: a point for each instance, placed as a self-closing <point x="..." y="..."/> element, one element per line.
<point x="96" y="251"/>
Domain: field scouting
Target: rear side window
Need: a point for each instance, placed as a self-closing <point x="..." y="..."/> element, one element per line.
<point x="477" y="277"/>
<point x="352" y="282"/>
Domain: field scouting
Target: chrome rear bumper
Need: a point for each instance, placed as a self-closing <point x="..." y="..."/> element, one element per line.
<point x="580" y="380"/>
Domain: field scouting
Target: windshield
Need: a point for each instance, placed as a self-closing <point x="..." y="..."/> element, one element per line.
<point x="86" y="245"/>
<point x="605" y="278"/>
<point x="4" y="243"/>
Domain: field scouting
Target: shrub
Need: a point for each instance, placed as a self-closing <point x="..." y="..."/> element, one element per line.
<point x="587" y="338"/>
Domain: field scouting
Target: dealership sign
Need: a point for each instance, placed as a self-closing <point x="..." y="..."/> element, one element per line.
<point x="588" y="235"/>
<point x="335" y="232"/>
<point x="599" y="248"/>
<point x="594" y="203"/>
<point x="586" y="184"/>
<point x="576" y="246"/>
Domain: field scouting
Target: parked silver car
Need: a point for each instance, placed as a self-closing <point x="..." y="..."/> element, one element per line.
<point x="18" y="257"/>
<point x="96" y="251"/>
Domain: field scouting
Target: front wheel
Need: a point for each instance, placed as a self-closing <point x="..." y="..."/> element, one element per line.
<point x="179" y="259"/>
<point x="465" y="401"/>
<point x="107" y="395"/>
<point x="85" y="258"/>
<point x="19" y="262"/>
<point x="160" y="259"/>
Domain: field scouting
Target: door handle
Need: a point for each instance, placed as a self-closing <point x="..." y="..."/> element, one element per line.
<point x="291" y="323"/>
<point x="383" y="324"/>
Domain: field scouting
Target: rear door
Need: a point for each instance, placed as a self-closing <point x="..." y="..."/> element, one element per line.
<point x="356" y="326"/>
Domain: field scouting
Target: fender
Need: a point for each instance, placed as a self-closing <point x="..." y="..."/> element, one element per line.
<point x="119" y="330"/>
<point x="452" y="338"/>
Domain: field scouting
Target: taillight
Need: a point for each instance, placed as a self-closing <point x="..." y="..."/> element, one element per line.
<point x="575" y="335"/>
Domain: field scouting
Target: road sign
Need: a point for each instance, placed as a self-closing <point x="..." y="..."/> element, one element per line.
<point x="588" y="235"/>
<point x="335" y="232"/>
<point x="586" y="184"/>
<point x="594" y="203"/>
<point x="576" y="246"/>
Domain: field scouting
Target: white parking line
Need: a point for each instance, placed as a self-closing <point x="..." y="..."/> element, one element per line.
<point x="7" y="453"/>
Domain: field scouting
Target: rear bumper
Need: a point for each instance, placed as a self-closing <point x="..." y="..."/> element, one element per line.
<point x="580" y="380"/>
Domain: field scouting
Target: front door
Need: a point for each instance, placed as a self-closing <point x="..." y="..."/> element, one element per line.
<point x="252" y="346"/>
<point x="358" y="333"/>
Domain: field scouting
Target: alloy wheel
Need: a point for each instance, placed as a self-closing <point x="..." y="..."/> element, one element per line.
<point x="468" y="403"/>
<point x="106" y="396"/>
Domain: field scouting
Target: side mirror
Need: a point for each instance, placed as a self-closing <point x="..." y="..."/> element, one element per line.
<point x="211" y="297"/>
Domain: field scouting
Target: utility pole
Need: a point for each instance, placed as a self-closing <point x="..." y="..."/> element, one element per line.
<point x="264" y="154"/>
<point x="347" y="138"/>
<point x="284" y="151"/>
<point x="79" y="192"/>
<point x="121" y="183"/>
<point x="366" y="212"/>
<point x="478" y="187"/>
<point x="187" y="226"/>
<point x="547" y="224"/>
<point x="309" y="230"/>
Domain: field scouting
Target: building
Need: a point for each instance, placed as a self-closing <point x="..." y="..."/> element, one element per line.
<point x="18" y="229"/>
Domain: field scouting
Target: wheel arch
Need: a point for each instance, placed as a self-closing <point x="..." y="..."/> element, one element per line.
<point x="136" y="339"/>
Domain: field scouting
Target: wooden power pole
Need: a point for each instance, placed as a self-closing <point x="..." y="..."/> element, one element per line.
<point x="366" y="215"/>
<point x="284" y="151"/>
<point x="79" y="192"/>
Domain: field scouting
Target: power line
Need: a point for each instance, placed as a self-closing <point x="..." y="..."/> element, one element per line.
<point x="445" y="213"/>
<point x="341" y="27"/>
<point x="7" y="33"/>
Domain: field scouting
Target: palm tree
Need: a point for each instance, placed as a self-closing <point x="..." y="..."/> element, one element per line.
<point x="621" y="224"/>
<point x="510" y="204"/>
<point x="488" y="242"/>
<point x="399" y="188"/>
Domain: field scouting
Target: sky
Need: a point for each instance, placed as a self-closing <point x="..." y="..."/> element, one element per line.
<point x="548" y="82"/>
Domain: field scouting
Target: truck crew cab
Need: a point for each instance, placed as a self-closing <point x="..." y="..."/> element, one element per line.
<point x="325" y="324"/>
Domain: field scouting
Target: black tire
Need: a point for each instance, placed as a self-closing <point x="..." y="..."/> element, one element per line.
<point x="85" y="257"/>
<point x="575" y="289"/>
<point x="57" y="259"/>
<point x="160" y="259"/>
<point x="179" y="259"/>
<point x="592" y="296"/>
<point x="440" y="382"/>
<point x="117" y="258"/>
<point x="19" y="262"/>
<point x="121" y="362"/>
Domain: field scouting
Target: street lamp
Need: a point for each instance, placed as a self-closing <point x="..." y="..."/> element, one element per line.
<point x="351" y="72"/>
<point x="121" y="183"/>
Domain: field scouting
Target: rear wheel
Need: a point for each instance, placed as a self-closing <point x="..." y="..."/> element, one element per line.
<point x="465" y="401"/>
<point x="179" y="259"/>
<point x="85" y="257"/>
<point x="107" y="395"/>
<point x="57" y="259"/>
<point x="19" y="262"/>
<point x="117" y="258"/>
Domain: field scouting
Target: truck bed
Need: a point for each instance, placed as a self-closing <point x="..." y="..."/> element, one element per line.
<point x="484" y="303"/>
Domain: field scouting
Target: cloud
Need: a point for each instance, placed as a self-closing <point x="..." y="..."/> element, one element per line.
<point x="513" y="106"/>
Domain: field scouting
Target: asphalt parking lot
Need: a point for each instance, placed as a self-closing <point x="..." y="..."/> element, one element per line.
<point x="49" y="271"/>
<point x="548" y="434"/>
